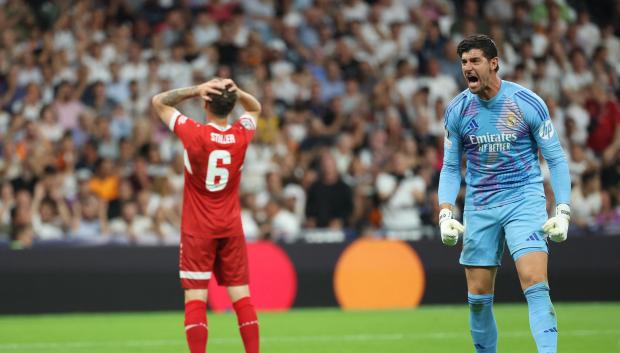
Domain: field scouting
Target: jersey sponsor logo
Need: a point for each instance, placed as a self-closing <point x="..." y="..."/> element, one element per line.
<point x="222" y="139"/>
<point x="493" y="142"/>
<point x="546" y="130"/>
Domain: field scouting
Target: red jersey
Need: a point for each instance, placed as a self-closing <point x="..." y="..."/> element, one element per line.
<point x="604" y="119"/>
<point x="213" y="161"/>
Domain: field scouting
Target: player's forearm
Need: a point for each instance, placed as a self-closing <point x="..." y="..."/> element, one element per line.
<point x="449" y="184"/>
<point x="163" y="103"/>
<point x="560" y="182"/>
<point x="173" y="97"/>
<point x="249" y="102"/>
<point x="560" y="175"/>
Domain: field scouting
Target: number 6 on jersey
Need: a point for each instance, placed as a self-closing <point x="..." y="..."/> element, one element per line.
<point x="213" y="171"/>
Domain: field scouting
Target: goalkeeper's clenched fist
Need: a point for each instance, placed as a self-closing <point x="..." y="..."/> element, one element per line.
<point x="556" y="228"/>
<point x="450" y="228"/>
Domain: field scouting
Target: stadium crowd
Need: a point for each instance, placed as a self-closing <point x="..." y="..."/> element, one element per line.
<point x="353" y="93"/>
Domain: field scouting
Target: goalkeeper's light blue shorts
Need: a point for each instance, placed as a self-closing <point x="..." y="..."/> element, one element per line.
<point x="517" y="224"/>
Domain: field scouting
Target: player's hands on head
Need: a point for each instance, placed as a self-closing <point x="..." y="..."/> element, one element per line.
<point x="556" y="228"/>
<point x="213" y="86"/>
<point x="450" y="228"/>
<point x="231" y="86"/>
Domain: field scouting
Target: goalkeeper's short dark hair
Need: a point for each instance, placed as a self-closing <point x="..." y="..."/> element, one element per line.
<point x="478" y="41"/>
<point x="222" y="104"/>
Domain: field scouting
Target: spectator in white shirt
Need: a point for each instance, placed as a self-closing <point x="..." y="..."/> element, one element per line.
<point x="400" y="193"/>
<point x="29" y="71"/>
<point x="284" y="225"/>
<point x="133" y="228"/>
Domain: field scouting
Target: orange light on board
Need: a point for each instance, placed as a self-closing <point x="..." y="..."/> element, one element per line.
<point x="379" y="274"/>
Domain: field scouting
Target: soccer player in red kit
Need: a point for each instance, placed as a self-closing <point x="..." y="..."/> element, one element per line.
<point x="212" y="239"/>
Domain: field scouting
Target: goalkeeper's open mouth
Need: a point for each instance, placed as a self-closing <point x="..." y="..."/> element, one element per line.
<point x="473" y="82"/>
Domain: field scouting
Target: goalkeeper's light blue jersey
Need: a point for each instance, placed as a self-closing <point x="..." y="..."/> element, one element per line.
<point x="500" y="138"/>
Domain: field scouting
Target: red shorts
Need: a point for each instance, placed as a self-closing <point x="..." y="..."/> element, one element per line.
<point x="200" y="258"/>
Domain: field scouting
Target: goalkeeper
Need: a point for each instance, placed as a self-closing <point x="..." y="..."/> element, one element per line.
<point x="500" y="126"/>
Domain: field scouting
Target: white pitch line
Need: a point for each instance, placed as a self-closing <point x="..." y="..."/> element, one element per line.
<point x="283" y="339"/>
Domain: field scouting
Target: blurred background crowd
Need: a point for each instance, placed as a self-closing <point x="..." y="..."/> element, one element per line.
<point x="350" y="140"/>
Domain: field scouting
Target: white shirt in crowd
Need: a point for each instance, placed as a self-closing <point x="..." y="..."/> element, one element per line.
<point x="399" y="210"/>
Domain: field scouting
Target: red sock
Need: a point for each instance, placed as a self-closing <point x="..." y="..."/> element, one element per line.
<point x="248" y="324"/>
<point x="196" y="326"/>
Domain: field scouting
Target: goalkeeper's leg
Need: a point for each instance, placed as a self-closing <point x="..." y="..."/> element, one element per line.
<point x="532" y="268"/>
<point x="480" y="287"/>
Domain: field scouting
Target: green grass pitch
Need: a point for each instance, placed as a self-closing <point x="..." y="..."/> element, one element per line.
<point x="584" y="328"/>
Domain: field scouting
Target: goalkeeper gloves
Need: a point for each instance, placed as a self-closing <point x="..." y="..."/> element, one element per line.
<point x="450" y="228"/>
<point x="556" y="228"/>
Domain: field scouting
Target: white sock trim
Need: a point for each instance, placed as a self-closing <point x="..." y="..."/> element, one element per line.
<point x="202" y="324"/>
<point x="243" y="324"/>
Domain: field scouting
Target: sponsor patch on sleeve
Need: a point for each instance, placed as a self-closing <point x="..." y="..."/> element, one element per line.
<point x="247" y="122"/>
<point x="446" y="140"/>
<point x="546" y="130"/>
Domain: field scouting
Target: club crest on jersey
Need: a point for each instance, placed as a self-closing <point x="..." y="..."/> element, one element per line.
<point x="546" y="130"/>
<point x="182" y="119"/>
<point x="511" y="119"/>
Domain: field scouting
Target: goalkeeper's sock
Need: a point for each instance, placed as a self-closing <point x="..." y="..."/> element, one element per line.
<point x="543" y="322"/>
<point x="482" y="322"/>
<point x="196" y="329"/>
<point x="248" y="324"/>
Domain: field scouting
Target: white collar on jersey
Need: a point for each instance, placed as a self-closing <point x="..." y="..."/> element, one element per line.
<point x="219" y="127"/>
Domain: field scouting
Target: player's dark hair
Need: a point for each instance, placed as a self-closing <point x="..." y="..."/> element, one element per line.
<point x="222" y="104"/>
<point x="479" y="41"/>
